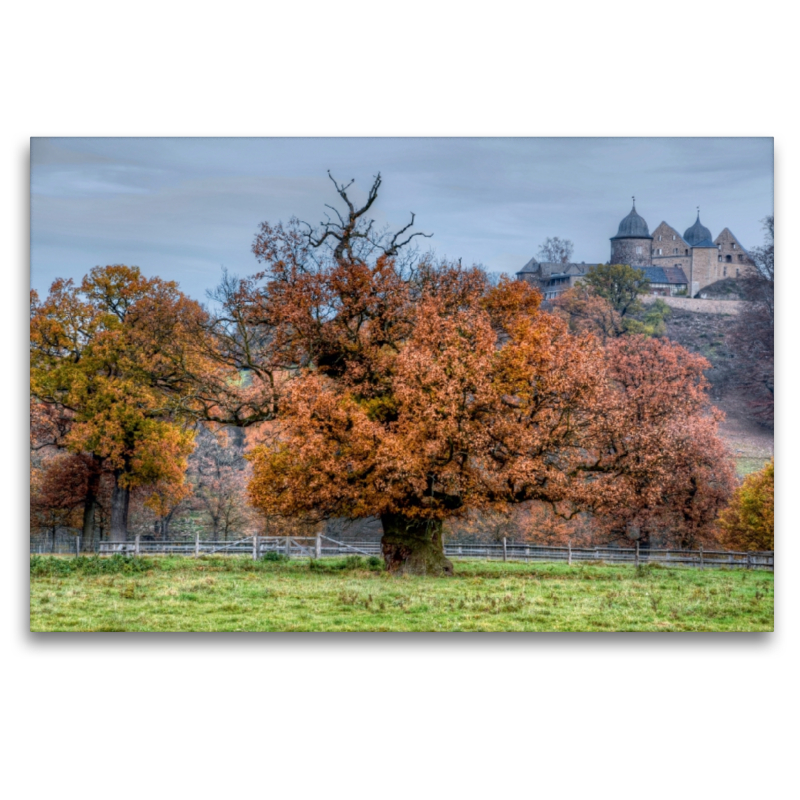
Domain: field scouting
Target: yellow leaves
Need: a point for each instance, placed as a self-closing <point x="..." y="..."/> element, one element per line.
<point x="114" y="353"/>
<point x="749" y="521"/>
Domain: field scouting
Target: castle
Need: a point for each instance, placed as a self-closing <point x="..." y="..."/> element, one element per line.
<point x="675" y="264"/>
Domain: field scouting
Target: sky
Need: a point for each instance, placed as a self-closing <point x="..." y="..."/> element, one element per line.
<point x="184" y="208"/>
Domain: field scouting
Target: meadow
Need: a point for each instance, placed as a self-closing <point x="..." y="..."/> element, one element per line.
<point x="355" y="594"/>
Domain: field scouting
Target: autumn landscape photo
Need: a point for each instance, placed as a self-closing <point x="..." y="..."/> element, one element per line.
<point x="402" y="384"/>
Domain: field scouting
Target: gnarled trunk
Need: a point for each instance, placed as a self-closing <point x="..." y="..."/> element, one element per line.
<point x="413" y="546"/>
<point x="120" y="498"/>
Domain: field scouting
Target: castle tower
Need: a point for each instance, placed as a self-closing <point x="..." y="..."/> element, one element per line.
<point x="633" y="242"/>
<point x="703" y="267"/>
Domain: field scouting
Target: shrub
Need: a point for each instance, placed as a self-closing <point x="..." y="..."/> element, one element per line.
<point x="748" y="523"/>
<point x="273" y="555"/>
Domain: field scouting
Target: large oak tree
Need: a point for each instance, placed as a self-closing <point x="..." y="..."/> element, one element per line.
<point x="414" y="391"/>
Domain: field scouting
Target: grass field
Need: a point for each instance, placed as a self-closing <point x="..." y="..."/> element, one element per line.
<point x="353" y="594"/>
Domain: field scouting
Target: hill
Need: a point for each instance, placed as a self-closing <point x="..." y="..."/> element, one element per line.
<point x="704" y="327"/>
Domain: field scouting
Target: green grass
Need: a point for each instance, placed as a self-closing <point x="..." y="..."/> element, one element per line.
<point x="745" y="465"/>
<point x="237" y="594"/>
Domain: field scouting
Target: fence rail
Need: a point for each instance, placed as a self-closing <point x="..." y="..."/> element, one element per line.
<point x="322" y="546"/>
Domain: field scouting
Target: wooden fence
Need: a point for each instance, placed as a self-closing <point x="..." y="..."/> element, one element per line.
<point x="322" y="546"/>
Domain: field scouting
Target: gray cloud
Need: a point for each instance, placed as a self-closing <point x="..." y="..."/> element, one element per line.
<point x="182" y="208"/>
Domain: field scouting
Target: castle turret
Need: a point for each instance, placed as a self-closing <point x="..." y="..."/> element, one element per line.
<point x="633" y="242"/>
<point x="703" y="268"/>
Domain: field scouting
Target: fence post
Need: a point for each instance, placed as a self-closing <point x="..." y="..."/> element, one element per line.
<point x="136" y="544"/>
<point x="197" y="544"/>
<point x="318" y="547"/>
<point x="288" y="546"/>
<point x="637" y="553"/>
<point x="505" y="550"/>
<point x="597" y="552"/>
<point x="701" y="557"/>
<point x="77" y="546"/>
<point x="569" y="554"/>
<point x="748" y="562"/>
<point x="255" y="548"/>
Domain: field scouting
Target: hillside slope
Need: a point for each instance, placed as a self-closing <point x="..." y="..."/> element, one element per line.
<point x="709" y="335"/>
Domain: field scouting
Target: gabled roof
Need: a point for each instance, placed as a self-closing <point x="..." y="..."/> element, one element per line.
<point x="531" y="266"/>
<point x="675" y="275"/>
<point x="549" y="269"/>
<point x="669" y="275"/>
<point x="674" y="230"/>
<point x="733" y="236"/>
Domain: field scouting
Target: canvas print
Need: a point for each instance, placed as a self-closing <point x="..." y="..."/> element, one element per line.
<point x="399" y="384"/>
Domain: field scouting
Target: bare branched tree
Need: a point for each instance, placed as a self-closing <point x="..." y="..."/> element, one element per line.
<point x="753" y="338"/>
<point x="555" y="251"/>
<point x="347" y="230"/>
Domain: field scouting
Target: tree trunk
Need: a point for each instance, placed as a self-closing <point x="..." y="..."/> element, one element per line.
<point x="90" y="504"/>
<point x="644" y="546"/>
<point x="89" y="509"/>
<point x="120" y="498"/>
<point x="414" y="547"/>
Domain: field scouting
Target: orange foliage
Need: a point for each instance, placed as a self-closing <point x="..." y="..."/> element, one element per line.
<point x="111" y="358"/>
<point x="663" y="471"/>
<point x="428" y="414"/>
<point x="431" y="397"/>
<point x="586" y="312"/>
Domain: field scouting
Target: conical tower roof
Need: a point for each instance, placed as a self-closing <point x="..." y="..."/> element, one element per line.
<point x="698" y="235"/>
<point x="633" y="227"/>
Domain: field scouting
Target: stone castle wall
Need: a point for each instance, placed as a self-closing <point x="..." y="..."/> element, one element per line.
<point x="704" y="266"/>
<point x="623" y="251"/>
<point x="699" y="306"/>
<point x="673" y="249"/>
<point x="729" y="248"/>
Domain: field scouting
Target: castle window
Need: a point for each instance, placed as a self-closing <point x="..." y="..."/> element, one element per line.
<point x="737" y="272"/>
<point x="741" y="257"/>
<point x="724" y="272"/>
<point x="674" y="251"/>
<point x="638" y="251"/>
<point x="734" y="245"/>
<point x="659" y="238"/>
<point x="686" y="252"/>
<point x="719" y="258"/>
<point x="728" y="259"/>
<point x="673" y="237"/>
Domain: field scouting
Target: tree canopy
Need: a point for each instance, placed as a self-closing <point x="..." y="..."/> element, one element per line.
<point x="749" y="521"/>
<point x="110" y="358"/>
<point x="620" y="284"/>
<point x="415" y="391"/>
